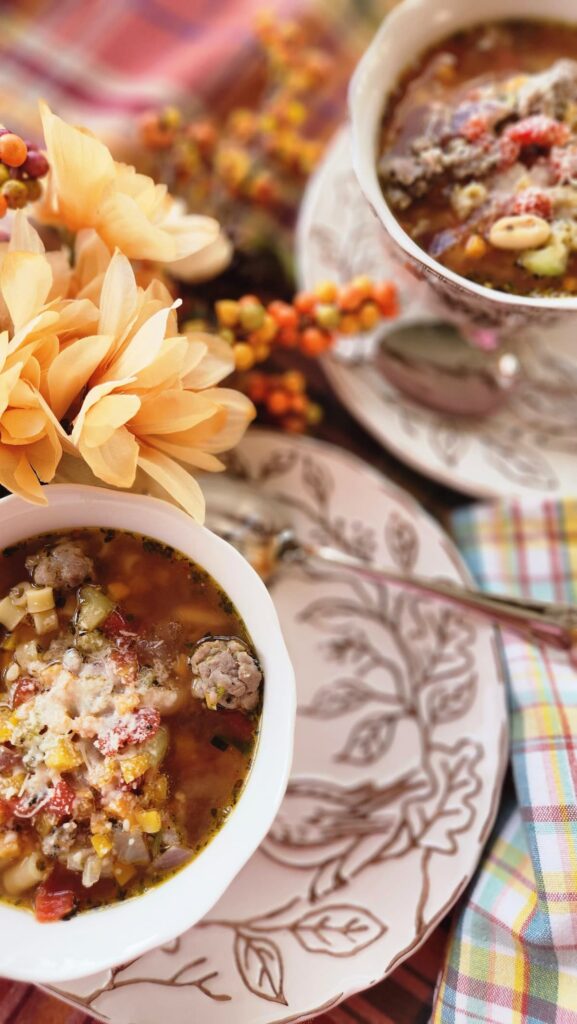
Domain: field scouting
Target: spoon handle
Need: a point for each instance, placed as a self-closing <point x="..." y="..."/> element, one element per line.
<point x="539" y="621"/>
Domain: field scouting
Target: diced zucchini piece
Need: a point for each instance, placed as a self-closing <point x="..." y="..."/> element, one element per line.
<point x="156" y="746"/>
<point x="10" y="615"/>
<point x="93" y="608"/>
<point x="550" y="261"/>
<point x="39" y="599"/>
<point x="90" y="643"/>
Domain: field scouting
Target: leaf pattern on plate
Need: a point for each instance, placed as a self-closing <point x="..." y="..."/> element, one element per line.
<point x="522" y="463"/>
<point x="402" y="542"/>
<point x="260" y="966"/>
<point x="339" y="930"/>
<point x="341" y="698"/>
<point x="449" y="441"/>
<point x="369" y="740"/>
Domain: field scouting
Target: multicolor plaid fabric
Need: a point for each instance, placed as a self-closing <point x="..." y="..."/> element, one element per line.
<point x="513" y="951"/>
<point x="103" y="63"/>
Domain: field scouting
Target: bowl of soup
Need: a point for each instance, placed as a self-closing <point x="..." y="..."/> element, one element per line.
<point x="147" y="707"/>
<point x="464" y="124"/>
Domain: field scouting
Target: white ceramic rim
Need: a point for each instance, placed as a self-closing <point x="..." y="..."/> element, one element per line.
<point x="369" y="91"/>
<point x="103" y="938"/>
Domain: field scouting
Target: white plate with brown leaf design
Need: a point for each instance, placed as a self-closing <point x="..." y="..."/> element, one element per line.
<point x="528" y="447"/>
<point x="400" y="751"/>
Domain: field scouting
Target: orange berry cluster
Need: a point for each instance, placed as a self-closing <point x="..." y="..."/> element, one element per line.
<point x="260" y="155"/>
<point x="21" y="166"/>
<point x="310" y="323"/>
<point x="283" y="398"/>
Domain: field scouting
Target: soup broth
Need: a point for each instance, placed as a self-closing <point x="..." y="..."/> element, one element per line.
<point x="478" y="155"/>
<point x="129" y="708"/>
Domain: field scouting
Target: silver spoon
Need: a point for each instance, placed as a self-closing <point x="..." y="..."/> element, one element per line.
<point x="435" y="365"/>
<point x="259" y="527"/>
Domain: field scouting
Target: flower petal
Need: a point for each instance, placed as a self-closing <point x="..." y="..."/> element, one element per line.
<point x="142" y="348"/>
<point x="165" y="371"/>
<point x="26" y="482"/>
<point x="25" y="280"/>
<point x="114" y="462"/>
<point x="72" y="369"/>
<point x="118" y="296"/>
<point x="110" y="413"/>
<point x="122" y="224"/>
<point x="185" y="453"/>
<point x="191" y="234"/>
<point x="8" y="380"/>
<point x="91" y="257"/>
<point x="238" y="413"/>
<point x="204" y="264"/>
<point x="18" y="426"/>
<point x="215" y="364"/>
<point x="23" y="237"/>
<point x="80" y="169"/>
<point x="172" y="411"/>
<point x="44" y="455"/>
<point x="94" y="395"/>
<point x="180" y="485"/>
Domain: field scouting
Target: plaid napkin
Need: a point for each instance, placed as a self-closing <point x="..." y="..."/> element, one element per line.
<point x="512" y="957"/>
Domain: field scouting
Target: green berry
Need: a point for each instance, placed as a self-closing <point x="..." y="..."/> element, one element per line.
<point x="34" y="190"/>
<point x="252" y="316"/>
<point x="15" y="194"/>
<point x="327" y="316"/>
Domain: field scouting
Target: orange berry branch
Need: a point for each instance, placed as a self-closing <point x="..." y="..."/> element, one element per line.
<point x="257" y="156"/>
<point x="249" y="168"/>
<point x="309" y="324"/>
<point x="22" y="165"/>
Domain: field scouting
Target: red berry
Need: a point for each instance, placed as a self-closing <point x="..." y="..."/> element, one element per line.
<point x="35" y="165"/>
<point x="533" y="201"/>
<point x="538" y="130"/>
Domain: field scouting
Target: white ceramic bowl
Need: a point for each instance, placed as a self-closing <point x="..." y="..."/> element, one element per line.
<point x="407" y="32"/>
<point x="103" y="938"/>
